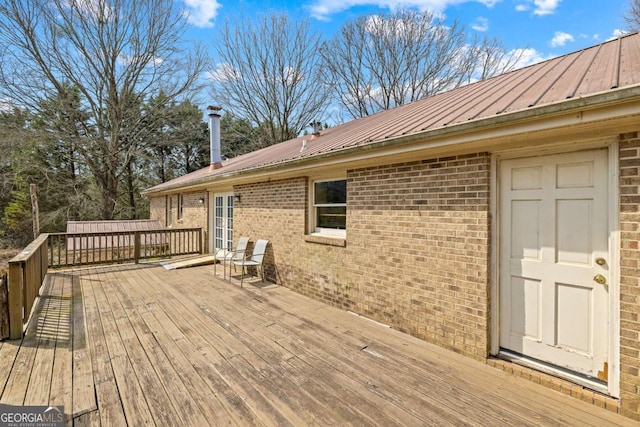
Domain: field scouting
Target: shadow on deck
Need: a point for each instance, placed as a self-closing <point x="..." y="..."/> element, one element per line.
<point x="134" y="345"/>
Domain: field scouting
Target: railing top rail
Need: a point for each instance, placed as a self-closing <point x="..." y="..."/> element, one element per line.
<point x="122" y="233"/>
<point x="29" y="250"/>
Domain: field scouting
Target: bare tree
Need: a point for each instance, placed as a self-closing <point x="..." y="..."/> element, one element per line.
<point x="492" y="59"/>
<point x="632" y="16"/>
<point x="115" y="54"/>
<point x="270" y="74"/>
<point x="379" y="62"/>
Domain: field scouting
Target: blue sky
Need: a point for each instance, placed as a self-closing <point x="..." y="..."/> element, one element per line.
<point x="547" y="28"/>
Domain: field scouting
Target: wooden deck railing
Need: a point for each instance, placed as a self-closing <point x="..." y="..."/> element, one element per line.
<point x="28" y="269"/>
<point x="26" y="274"/>
<point x="70" y="249"/>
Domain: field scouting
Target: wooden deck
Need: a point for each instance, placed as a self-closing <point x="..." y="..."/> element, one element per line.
<point x="140" y="345"/>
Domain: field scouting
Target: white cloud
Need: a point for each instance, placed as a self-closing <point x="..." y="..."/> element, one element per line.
<point x="200" y="13"/>
<point x="94" y="8"/>
<point x="323" y="9"/>
<point x="480" y="24"/>
<point x="6" y="106"/>
<point x="545" y="7"/>
<point x="128" y="59"/>
<point x="616" y="34"/>
<point x="528" y="57"/>
<point x="223" y="73"/>
<point x="561" y="38"/>
<point x="541" y="7"/>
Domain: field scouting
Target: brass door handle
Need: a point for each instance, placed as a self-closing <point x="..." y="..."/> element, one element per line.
<point x="600" y="279"/>
<point x="601" y="261"/>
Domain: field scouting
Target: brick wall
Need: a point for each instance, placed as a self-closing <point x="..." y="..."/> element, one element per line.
<point x="277" y="211"/>
<point x="194" y="213"/>
<point x="157" y="209"/>
<point x="630" y="274"/>
<point x="418" y="243"/>
<point x="417" y="249"/>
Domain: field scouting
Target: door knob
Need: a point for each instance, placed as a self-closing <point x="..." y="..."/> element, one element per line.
<point x="599" y="278"/>
<point x="601" y="261"/>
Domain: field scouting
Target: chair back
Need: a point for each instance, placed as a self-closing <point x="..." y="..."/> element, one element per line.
<point x="241" y="248"/>
<point x="258" y="251"/>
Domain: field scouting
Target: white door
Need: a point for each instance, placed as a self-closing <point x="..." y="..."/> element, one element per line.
<point x="223" y="221"/>
<point x="553" y="253"/>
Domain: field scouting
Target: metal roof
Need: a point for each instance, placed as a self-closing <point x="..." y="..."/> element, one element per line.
<point x="599" y="69"/>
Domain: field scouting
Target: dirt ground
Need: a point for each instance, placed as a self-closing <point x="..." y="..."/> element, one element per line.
<point x="5" y="256"/>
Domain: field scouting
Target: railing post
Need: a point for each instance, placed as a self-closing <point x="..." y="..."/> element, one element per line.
<point x="136" y="246"/>
<point x="201" y="248"/>
<point x="4" y="305"/>
<point x="15" y="300"/>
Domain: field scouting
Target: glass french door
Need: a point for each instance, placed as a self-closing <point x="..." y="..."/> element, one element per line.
<point x="223" y="221"/>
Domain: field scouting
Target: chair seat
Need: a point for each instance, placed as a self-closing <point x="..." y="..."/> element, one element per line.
<point x="245" y="263"/>
<point x="228" y="255"/>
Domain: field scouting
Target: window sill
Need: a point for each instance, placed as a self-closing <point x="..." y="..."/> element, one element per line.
<point x="326" y="240"/>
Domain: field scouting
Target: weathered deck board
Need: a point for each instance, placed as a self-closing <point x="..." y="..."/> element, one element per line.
<point x="62" y="376"/>
<point x="140" y="345"/>
<point x="106" y="391"/>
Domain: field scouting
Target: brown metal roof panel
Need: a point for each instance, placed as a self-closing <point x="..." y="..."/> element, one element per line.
<point x="428" y="110"/>
<point x="539" y="87"/>
<point x="567" y="83"/>
<point x="488" y="99"/>
<point x="629" y="61"/>
<point x="411" y="116"/>
<point x="521" y="95"/>
<point x="600" y="75"/>
<point x="421" y="115"/>
<point x="481" y="101"/>
<point x="347" y="134"/>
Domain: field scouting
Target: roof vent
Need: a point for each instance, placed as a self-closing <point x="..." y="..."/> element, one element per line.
<point x="316" y="127"/>
<point x="304" y="145"/>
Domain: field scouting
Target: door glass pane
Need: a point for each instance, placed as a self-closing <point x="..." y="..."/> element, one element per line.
<point x="218" y="222"/>
<point x="229" y="229"/>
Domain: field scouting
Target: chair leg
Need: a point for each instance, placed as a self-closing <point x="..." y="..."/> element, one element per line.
<point x="242" y="276"/>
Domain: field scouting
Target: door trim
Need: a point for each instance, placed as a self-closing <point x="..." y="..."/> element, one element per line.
<point x="612" y="145"/>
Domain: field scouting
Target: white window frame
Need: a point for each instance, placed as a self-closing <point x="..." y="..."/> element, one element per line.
<point x="323" y="231"/>
<point x="169" y="210"/>
<point x="180" y="206"/>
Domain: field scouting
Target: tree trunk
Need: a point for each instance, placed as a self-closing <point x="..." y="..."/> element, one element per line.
<point x="35" y="212"/>
<point x="131" y="189"/>
<point x="108" y="194"/>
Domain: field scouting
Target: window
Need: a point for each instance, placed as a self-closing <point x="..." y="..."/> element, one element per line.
<point x="180" y="205"/>
<point x="330" y="207"/>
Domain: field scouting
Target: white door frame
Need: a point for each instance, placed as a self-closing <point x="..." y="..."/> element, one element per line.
<point x="612" y="144"/>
